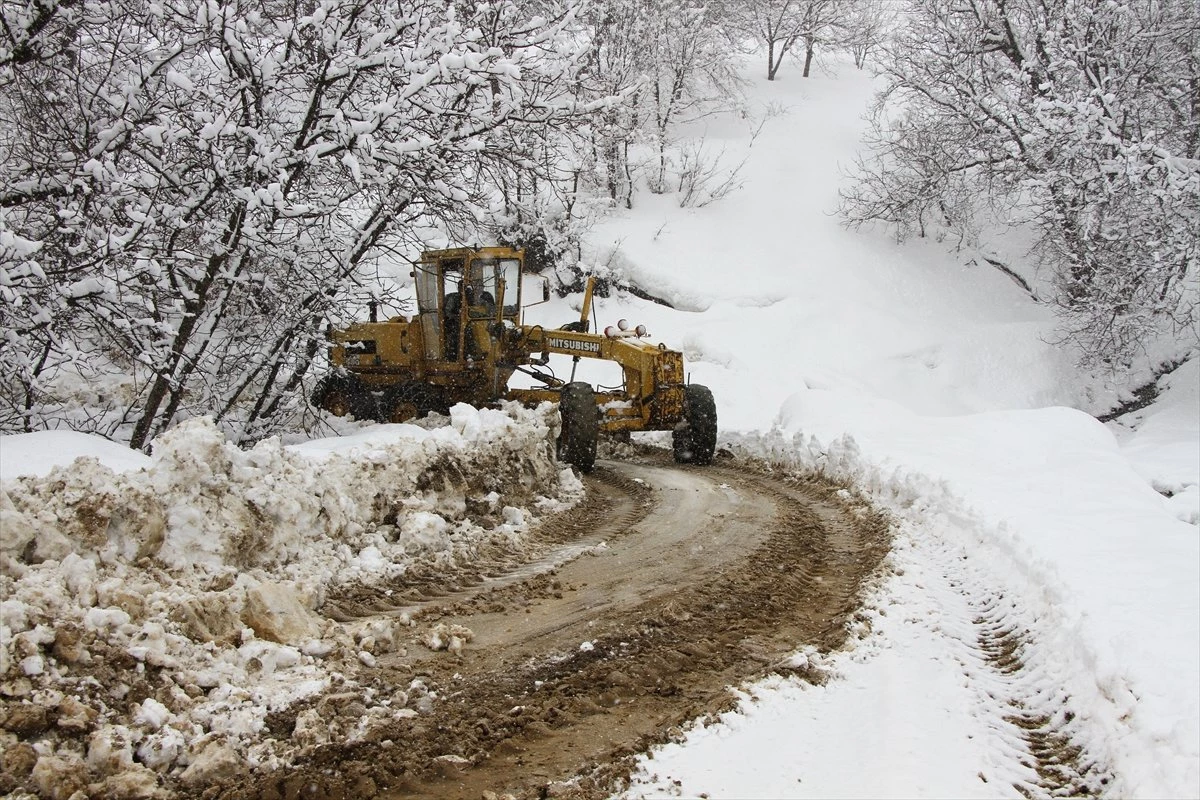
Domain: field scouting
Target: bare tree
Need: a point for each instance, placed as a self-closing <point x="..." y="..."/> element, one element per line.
<point x="690" y="76"/>
<point x="779" y="25"/>
<point x="617" y="31"/>
<point x="863" y="28"/>
<point x="670" y="66"/>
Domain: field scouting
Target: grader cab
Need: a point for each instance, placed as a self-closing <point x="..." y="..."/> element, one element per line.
<point x="468" y="338"/>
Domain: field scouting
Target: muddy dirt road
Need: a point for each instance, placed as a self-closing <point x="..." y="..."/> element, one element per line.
<point x="663" y="588"/>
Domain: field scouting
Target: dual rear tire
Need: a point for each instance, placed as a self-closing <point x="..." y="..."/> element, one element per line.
<point x="346" y="396"/>
<point x="408" y="401"/>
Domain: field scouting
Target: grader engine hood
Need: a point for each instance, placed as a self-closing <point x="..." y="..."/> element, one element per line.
<point x="370" y="345"/>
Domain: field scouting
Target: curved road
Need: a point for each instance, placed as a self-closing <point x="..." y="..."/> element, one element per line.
<point x="665" y="586"/>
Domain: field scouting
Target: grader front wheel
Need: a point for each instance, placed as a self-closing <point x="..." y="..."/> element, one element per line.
<point x="580" y="426"/>
<point x="695" y="440"/>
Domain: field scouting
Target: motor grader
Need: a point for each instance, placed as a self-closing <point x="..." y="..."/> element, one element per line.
<point x="468" y="338"/>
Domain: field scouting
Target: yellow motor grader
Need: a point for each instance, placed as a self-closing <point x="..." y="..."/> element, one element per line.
<point x="468" y="338"/>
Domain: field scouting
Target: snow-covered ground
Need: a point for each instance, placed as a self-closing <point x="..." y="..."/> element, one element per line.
<point x="1042" y="580"/>
<point x="927" y="380"/>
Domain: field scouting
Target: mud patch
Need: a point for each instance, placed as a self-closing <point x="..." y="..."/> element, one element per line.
<point x="553" y="701"/>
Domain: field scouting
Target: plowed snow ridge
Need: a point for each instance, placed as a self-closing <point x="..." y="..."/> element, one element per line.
<point x="1054" y="724"/>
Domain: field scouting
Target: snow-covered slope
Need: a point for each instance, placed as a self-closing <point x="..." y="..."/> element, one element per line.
<point x="791" y="299"/>
<point x="932" y="376"/>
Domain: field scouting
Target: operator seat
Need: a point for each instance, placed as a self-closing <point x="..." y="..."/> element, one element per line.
<point x="450" y="324"/>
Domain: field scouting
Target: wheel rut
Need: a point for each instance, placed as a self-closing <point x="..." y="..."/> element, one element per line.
<point x="645" y="603"/>
<point x="614" y="504"/>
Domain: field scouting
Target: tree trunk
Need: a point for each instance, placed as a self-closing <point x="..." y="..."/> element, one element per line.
<point x="808" y="55"/>
<point x="628" y="175"/>
<point x="771" y="65"/>
<point x="30" y="385"/>
<point x="187" y="327"/>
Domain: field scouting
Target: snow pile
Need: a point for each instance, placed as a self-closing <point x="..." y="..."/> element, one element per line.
<point x="1042" y="595"/>
<point x="1162" y="441"/>
<point x="153" y="618"/>
<point x="205" y="505"/>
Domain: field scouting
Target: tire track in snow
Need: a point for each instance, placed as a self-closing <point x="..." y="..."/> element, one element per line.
<point x="1014" y="669"/>
<point x="1061" y="728"/>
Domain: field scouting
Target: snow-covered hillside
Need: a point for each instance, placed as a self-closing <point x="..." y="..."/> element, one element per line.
<point x="928" y="378"/>
<point x="1045" y="575"/>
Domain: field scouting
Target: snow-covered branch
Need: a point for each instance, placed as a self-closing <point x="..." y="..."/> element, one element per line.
<point x="192" y="164"/>
<point x="1075" y="110"/>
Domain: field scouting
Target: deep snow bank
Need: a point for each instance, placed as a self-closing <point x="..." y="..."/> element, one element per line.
<point x="153" y="618"/>
<point x="1068" y="542"/>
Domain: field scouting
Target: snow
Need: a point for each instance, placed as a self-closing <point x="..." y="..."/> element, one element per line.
<point x="1105" y="571"/>
<point x="911" y="372"/>
<point x="926" y="381"/>
<point x="206" y="561"/>
<point x="1164" y="444"/>
<point x="37" y="453"/>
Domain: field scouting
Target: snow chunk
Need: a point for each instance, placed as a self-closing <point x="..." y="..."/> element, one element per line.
<point x="448" y="637"/>
<point x="152" y="714"/>
<point x="105" y="618"/>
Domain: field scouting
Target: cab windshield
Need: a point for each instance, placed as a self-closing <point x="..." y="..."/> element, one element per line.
<point x="493" y="277"/>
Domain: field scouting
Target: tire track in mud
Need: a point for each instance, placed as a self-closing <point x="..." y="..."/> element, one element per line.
<point x="710" y="577"/>
<point x="612" y="506"/>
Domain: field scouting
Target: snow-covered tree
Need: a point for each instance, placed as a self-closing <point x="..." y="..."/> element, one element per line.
<point x="1081" y="117"/>
<point x="689" y="76"/>
<point x="863" y="28"/>
<point x="671" y="65"/>
<point x="191" y="190"/>
<point x="780" y="25"/>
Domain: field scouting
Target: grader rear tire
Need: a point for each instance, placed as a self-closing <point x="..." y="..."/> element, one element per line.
<point x="695" y="441"/>
<point x="337" y="402"/>
<point x="580" y="426"/>
<point x="343" y="396"/>
<point x="409" y="401"/>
